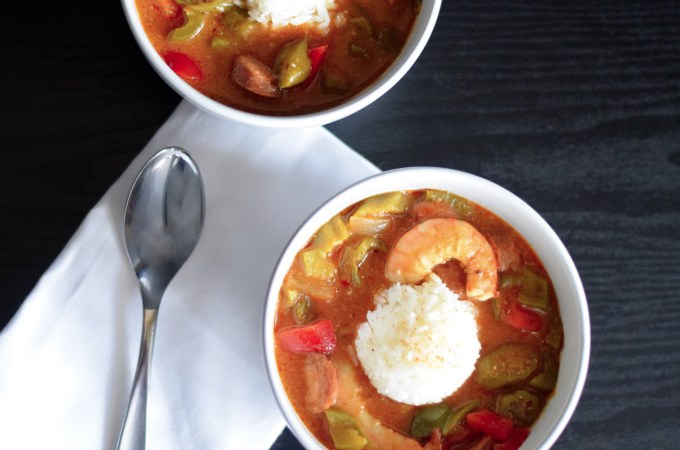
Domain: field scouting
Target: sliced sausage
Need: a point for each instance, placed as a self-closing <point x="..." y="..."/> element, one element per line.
<point x="507" y="252"/>
<point x="322" y="382"/>
<point x="255" y="76"/>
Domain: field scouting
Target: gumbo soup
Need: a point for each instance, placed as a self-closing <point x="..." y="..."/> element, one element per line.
<point x="278" y="57"/>
<point x="418" y="319"/>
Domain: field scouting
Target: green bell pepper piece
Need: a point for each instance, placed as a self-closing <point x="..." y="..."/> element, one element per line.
<point x="456" y="416"/>
<point x="293" y="64"/>
<point x="193" y="24"/>
<point x="460" y="205"/>
<point x="428" y="418"/>
<point x="534" y="291"/>
<point x="359" y="254"/>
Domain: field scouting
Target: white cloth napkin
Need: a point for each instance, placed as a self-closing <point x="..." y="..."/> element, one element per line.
<point x="68" y="356"/>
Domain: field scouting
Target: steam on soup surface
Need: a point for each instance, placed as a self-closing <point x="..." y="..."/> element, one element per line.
<point x="278" y="57"/>
<point x="418" y="319"/>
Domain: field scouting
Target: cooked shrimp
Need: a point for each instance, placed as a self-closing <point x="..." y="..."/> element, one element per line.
<point x="322" y="382"/>
<point x="351" y="400"/>
<point x="436" y="241"/>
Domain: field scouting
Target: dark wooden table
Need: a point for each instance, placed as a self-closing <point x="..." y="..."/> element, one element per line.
<point x="574" y="106"/>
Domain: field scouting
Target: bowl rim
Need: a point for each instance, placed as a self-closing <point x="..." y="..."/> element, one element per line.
<point x="571" y="379"/>
<point x="418" y="38"/>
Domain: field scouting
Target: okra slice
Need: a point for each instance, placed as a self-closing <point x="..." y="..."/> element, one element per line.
<point x="506" y="365"/>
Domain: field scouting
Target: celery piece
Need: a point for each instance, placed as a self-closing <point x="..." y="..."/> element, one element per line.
<point x="344" y="430"/>
<point x="331" y="235"/>
<point x="534" y="291"/>
<point x="193" y="24"/>
<point x="316" y="288"/>
<point x="508" y="364"/>
<point x="237" y="21"/>
<point x="459" y="205"/>
<point x="219" y="43"/>
<point x="426" y="419"/>
<point x="315" y="264"/>
<point x="383" y="204"/>
<point x="456" y="416"/>
<point x="293" y="64"/>
<point x="245" y="27"/>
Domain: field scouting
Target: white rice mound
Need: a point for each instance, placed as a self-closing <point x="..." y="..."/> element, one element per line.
<point x="420" y="344"/>
<point x="280" y="13"/>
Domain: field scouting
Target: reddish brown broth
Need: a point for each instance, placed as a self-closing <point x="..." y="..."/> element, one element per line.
<point x="347" y="310"/>
<point x="265" y="44"/>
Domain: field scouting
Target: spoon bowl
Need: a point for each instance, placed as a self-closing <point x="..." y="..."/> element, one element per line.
<point x="163" y="222"/>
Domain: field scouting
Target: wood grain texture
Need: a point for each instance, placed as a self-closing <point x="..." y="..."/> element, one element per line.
<point x="573" y="106"/>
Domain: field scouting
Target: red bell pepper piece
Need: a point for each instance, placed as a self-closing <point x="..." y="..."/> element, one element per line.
<point x="523" y="318"/>
<point x="517" y="438"/>
<point x="488" y="422"/>
<point x="183" y="66"/>
<point x="316" y="54"/>
<point x="316" y="337"/>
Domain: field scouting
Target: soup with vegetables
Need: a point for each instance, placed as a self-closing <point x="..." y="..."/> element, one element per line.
<point x="418" y="320"/>
<point x="278" y="57"/>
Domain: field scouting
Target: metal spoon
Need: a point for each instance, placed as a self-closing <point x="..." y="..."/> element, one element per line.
<point x="163" y="221"/>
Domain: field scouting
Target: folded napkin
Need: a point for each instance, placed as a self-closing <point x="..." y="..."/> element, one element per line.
<point x="68" y="356"/>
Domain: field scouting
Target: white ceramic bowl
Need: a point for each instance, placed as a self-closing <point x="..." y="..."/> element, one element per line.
<point x="571" y="297"/>
<point x="420" y="34"/>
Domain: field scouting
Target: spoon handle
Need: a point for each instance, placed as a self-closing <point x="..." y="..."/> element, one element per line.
<point x="133" y="433"/>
